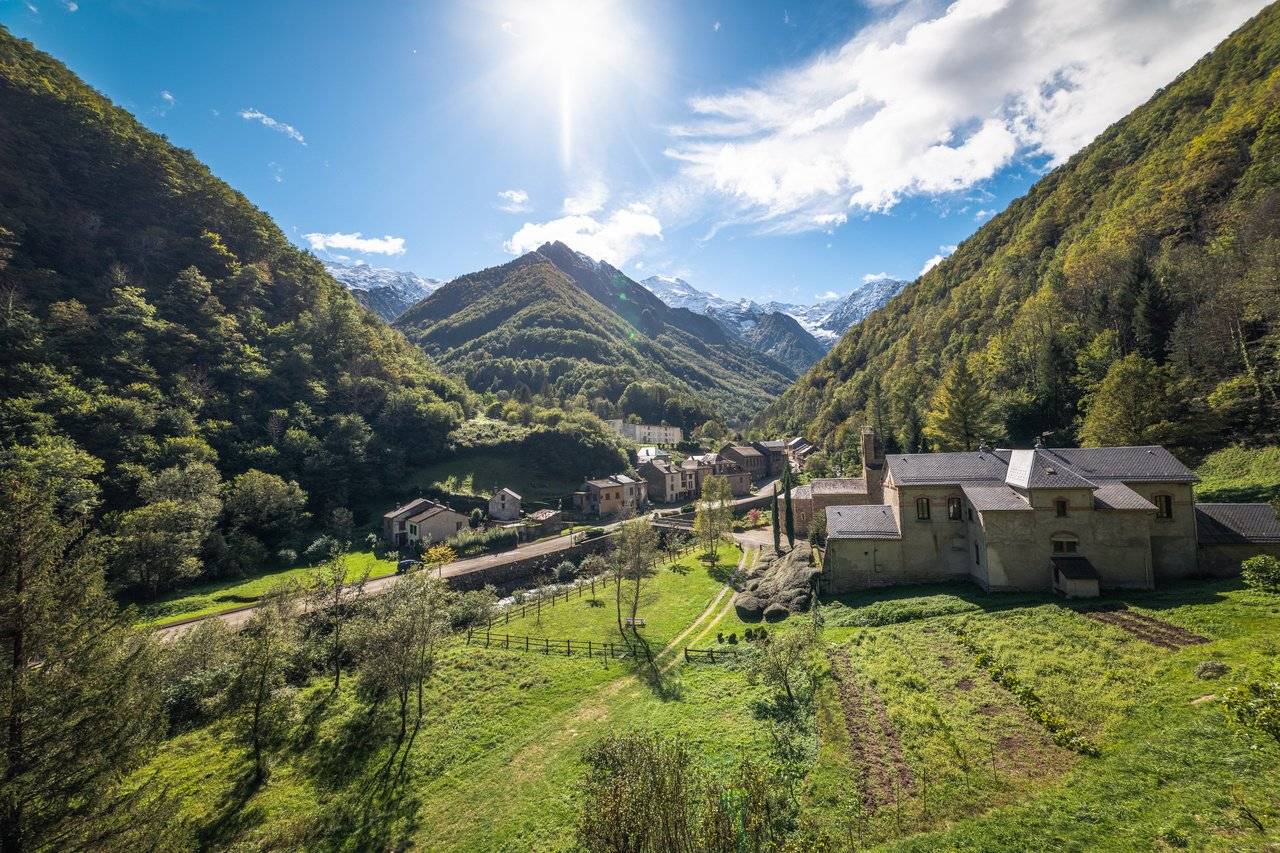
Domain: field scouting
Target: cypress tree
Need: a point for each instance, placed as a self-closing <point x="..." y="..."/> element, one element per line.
<point x="777" y="533"/>
<point x="791" y="518"/>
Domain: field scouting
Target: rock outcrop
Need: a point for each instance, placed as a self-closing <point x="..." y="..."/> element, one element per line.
<point x="777" y="586"/>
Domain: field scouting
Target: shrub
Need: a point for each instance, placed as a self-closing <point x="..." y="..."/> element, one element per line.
<point x="476" y="518"/>
<point x="720" y="636"/>
<point x="287" y="556"/>
<point x="1211" y="669"/>
<point x="565" y="571"/>
<point x="471" y="542"/>
<point x="593" y="532"/>
<point x="324" y="548"/>
<point x="1262" y="572"/>
<point x="733" y="639"/>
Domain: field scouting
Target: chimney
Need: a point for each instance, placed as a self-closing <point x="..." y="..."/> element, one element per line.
<point x="872" y="465"/>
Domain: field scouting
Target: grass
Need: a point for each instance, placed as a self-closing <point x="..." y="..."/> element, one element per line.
<point x="220" y="596"/>
<point x="1240" y="474"/>
<point x="484" y="472"/>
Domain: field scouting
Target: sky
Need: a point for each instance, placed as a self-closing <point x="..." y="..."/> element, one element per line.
<point x="786" y="150"/>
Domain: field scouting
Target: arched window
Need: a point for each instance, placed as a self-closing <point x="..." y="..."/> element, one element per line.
<point x="954" y="512"/>
<point x="922" y="509"/>
<point x="1065" y="543"/>
<point x="1164" y="506"/>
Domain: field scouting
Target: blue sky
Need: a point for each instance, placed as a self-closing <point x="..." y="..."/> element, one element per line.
<point x="769" y="150"/>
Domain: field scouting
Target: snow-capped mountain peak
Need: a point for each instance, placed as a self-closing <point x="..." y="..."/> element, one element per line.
<point x="384" y="291"/>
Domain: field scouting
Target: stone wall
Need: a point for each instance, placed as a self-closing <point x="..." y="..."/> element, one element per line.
<point x="518" y="569"/>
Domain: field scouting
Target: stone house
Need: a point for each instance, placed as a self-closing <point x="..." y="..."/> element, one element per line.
<point x="504" y="505"/>
<point x="646" y="433"/>
<point x="607" y="496"/>
<point x="394" y="523"/>
<point x="1074" y="519"/>
<point x="775" y="456"/>
<point x="707" y="464"/>
<point x="544" y="522"/>
<point x="825" y="492"/>
<point x="669" y="483"/>
<point x="747" y="458"/>
<point x="434" y="523"/>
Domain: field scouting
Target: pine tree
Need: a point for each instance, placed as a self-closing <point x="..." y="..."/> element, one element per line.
<point x="777" y="531"/>
<point x="961" y="414"/>
<point x="80" y="710"/>
<point x="791" y="518"/>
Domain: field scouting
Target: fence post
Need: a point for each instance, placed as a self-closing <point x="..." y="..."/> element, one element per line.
<point x="468" y="636"/>
<point x="686" y="654"/>
<point x="526" y="643"/>
<point x="546" y="646"/>
<point x="486" y="639"/>
<point x="568" y="647"/>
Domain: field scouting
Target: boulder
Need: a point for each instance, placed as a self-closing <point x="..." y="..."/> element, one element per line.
<point x="776" y="613"/>
<point x="777" y="586"/>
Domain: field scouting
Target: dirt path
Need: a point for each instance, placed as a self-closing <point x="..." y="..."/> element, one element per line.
<point x="1147" y="628"/>
<point x="874" y="744"/>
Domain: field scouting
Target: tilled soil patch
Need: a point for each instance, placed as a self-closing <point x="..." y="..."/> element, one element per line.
<point x="874" y="745"/>
<point x="1147" y="628"/>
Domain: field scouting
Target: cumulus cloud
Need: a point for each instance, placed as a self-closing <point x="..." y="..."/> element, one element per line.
<point x="356" y="242"/>
<point x="617" y="238"/>
<point x="875" y="276"/>
<point x="167" y="102"/>
<point x="826" y="297"/>
<point x="943" y="252"/>
<point x="514" y="201"/>
<point x="936" y="97"/>
<point x="588" y="199"/>
<point x="267" y="121"/>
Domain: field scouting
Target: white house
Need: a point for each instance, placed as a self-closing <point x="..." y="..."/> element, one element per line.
<point x="504" y="506"/>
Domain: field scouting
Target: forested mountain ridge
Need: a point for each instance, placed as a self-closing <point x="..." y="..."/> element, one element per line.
<point x="1130" y="297"/>
<point x="781" y="337"/>
<point x="555" y="321"/>
<point x="159" y="335"/>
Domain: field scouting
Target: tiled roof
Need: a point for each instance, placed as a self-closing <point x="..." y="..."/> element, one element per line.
<point x="743" y="450"/>
<point x="839" y="486"/>
<point x="434" y="510"/>
<point x="994" y="496"/>
<point x="623" y="479"/>
<point x="662" y="466"/>
<point x="602" y="484"/>
<point x="773" y="444"/>
<point x="802" y="493"/>
<point x="1076" y="567"/>
<point x="411" y="506"/>
<point x="1036" y="469"/>
<point x="796" y="442"/>
<point x="1112" y="494"/>
<point x="862" y="522"/>
<point x="1237" y="524"/>
<point x="1131" y="464"/>
<point x="915" y="469"/>
<point x="544" y="514"/>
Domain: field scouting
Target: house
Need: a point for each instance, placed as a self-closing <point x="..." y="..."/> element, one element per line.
<point x="608" y="496"/>
<point x="747" y="458"/>
<point x="646" y="433"/>
<point x="668" y="482"/>
<point x="775" y="456"/>
<point x="648" y="454"/>
<point x="394" y="523"/>
<point x="504" y="506"/>
<point x="708" y="464"/>
<point x="798" y="450"/>
<point x="544" y="522"/>
<point x="433" y="523"/>
<point x="1077" y="520"/>
<point x="825" y="492"/>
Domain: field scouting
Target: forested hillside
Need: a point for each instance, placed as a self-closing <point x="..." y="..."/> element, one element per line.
<point x="169" y="364"/>
<point x="558" y="323"/>
<point x="1132" y="296"/>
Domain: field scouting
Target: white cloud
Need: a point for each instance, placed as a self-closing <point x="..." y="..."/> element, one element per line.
<point x="984" y="214"/>
<point x="514" y="201"/>
<point x="936" y="97"/>
<point x="356" y="242"/>
<point x="716" y="27"/>
<point x="167" y="102"/>
<point x="875" y="276"/>
<point x="943" y="252"/>
<point x="826" y="297"/>
<point x="267" y="121"/>
<point x="277" y="172"/>
<point x="617" y="238"/>
<point x="588" y="199"/>
<point x="71" y="5"/>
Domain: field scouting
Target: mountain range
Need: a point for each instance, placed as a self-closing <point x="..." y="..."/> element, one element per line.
<point x="385" y="292"/>
<point x="558" y="321"/>
<point x="1128" y="298"/>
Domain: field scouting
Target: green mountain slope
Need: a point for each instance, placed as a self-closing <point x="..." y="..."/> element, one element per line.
<point x="1159" y="241"/>
<point x="152" y="319"/>
<point x="558" y="321"/>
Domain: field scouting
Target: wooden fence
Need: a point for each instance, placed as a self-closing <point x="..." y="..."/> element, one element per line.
<point x="549" y="646"/>
<point x="709" y="655"/>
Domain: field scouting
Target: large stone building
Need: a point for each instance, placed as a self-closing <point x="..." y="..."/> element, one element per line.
<point x="747" y="458"/>
<point x="668" y="482"/>
<point x="708" y="464"/>
<point x="1074" y="519"/>
<point x="423" y="521"/>
<point x="607" y="496"/>
<point x="646" y="433"/>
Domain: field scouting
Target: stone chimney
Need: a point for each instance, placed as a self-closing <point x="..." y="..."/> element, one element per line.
<point x="872" y="465"/>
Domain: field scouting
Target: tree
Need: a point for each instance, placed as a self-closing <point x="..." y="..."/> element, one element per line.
<point x="335" y="602"/>
<point x="265" y="505"/>
<point x="1255" y="707"/>
<point x="439" y="556"/>
<point x="1133" y="405"/>
<point x="818" y="527"/>
<point x="713" y="514"/>
<point x="777" y="530"/>
<point x="788" y="664"/>
<point x="790" y="513"/>
<point x="1262" y="572"/>
<point x="264" y="648"/>
<point x="79" y="709"/>
<point x="476" y="518"/>
<point x="961" y="415"/>
<point x="635" y="555"/>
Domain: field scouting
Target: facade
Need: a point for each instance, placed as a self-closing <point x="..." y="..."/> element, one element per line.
<point x="504" y="506"/>
<point x="707" y="464"/>
<point x="775" y="456"/>
<point x="608" y="496"/>
<point x="646" y="433"/>
<point x="648" y="454"/>
<point x="669" y="483"/>
<point x="434" y="523"/>
<point x="395" y="528"/>
<point x="747" y="458"/>
<point x="825" y="492"/>
<point x="1072" y="519"/>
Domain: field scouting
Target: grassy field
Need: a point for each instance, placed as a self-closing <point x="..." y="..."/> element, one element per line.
<point x="221" y="596"/>
<point x="921" y="744"/>
<point x="1240" y="474"/>
<point x="485" y="472"/>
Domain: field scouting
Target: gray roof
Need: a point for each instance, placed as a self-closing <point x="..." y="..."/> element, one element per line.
<point x="433" y="510"/>
<point x="862" y="522"/>
<point x="1076" y="567"/>
<point x="910" y="469"/>
<point x="412" y="506"/>
<point x="1237" y="524"/>
<point x="994" y="496"/>
<point x="839" y="486"/>
<point x="1131" y="464"/>
<point x="802" y="493"/>
<point x="602" y="484"/>
<point x="1036" y="469"/>
<point x="773" y="444"/>
<point x="741" y="449"/>
<point x="1112" y="494"/>
<point x="508" y="491"/>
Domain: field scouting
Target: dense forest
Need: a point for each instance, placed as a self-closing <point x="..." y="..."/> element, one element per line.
<point x="1131" y="297"/>
<point x="172" y="368"/>
<point x="556" y="323"/>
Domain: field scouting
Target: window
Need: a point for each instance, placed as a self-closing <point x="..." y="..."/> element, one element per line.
<point x="977" y="555"/>
<point x="1065" y="544"/>
<point x="922" y="509"/>
<point x="1060" y="507"/>
<point x="954" y="512"/>
<point x="1164" y="506"/>
<point x="413" y="529"/>
<point x="971" y="513"/>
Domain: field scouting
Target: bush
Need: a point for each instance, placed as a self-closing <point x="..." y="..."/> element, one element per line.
<point x="468" y="543"/>
<point x="593" y="532"/>
<point x="287" y="556"/>
<point x="733" y="639"/>
<point x="565" y="571"/>
<point x="1262" y="572"/>
<point x="324" y="548"/>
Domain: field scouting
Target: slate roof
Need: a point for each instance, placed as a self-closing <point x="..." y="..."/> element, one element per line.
<point x="602" y="484"/>
<point x="862" y="522"/>
<point x="411" y="506"/>
<point x="915" y="469"/>
<point x="1036" y="469"/>
<point x="1237" y="524"/>
<point x="434" y="510"/>
<point x="773" y="444"/>
<point x="839" y="486"/>
<point x="1112" y="494"/>
<point x="994" y="496"/>
<point x="508" y="491"/>
<point x="544" y="514"/>
<point x="802" y="493"/>
<point x="1132" y="464"/>
<point x="744" y="450"/>
<point x="1075" y="567"/>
